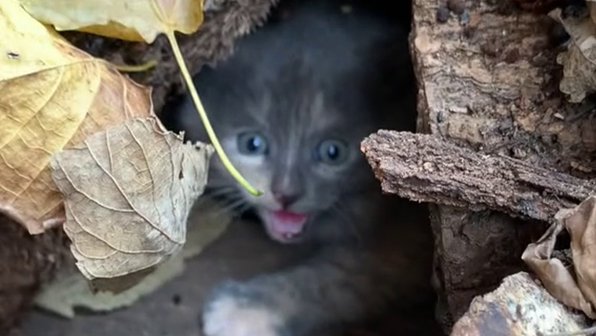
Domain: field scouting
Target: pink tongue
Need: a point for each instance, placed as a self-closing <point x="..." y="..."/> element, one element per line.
<point x="286" y="222"/>
<point x="290" y="217"/>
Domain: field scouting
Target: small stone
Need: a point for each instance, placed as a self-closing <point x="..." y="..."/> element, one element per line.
<point x="559" y="116"/>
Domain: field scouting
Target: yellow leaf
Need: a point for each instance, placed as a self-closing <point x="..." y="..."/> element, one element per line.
<point x="52" y="95"/>
<point x="126" y="19"/>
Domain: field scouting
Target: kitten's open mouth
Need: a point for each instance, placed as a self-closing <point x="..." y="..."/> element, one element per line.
<point x="284" y="226"/>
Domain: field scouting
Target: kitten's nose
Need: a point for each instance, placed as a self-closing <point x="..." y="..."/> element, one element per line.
<point x="287" y="187"/>
<point x="285" y="199"/>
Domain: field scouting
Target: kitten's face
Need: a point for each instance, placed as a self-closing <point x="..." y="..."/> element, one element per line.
<point x="300" y="149"/>
<point x="291" y="107"/>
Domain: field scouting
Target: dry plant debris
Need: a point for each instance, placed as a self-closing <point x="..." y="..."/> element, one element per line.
<point x="122" y="185"/>
<point x="573" y="285"/>
<point x="53" y="96"/>
<point x="126" y="19"/>
<point x="579" y="60"/>
<point x="138" y="20"/>
<point x="128" y="193"/>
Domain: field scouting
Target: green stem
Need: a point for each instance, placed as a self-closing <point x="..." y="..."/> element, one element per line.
<point x="137" y="68"/>
<point x="210" y="132"/>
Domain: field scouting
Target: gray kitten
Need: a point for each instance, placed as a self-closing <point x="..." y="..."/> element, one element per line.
<point x="291" y="107"/>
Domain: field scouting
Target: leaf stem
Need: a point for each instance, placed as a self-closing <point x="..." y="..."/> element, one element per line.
<point x="137" y="68"/>
<point x="210" y="132"/>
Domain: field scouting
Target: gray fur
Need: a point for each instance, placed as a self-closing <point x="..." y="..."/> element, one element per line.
<point x="317" y="74"/>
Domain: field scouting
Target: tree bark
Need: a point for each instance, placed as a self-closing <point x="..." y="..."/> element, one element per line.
<point x="426" y="168"/>
<point x="488" y="80"/>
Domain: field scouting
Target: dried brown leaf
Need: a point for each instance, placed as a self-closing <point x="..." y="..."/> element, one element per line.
<point x="581" y="224"/>
<point x="578" y="292"/>
<point x="52" y="96"/>
<point x="128" y="192"/>
<point x="579" y="61"/>
<point x="555" y="276"/>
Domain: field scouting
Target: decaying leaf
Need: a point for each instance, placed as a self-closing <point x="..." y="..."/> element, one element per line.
<point x="579" y="61"/>
<point x="128" y="193"/>
<point x="52" y="96"/>
<point x="555" y="276"/>
<point x="581" y="224"/>
<point x="135" y="20"/>
<point x="577" y="291"/>
<point x="71" y="290"/>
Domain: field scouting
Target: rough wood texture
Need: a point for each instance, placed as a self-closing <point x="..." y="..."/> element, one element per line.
<point x="488" y="80"/>
<point x="425" y="168"/>
<point x="519" y="307"/>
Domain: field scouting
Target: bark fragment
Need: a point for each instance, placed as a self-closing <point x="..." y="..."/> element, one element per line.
<point x="518" y="307"/>
<point x="426" y="168"/>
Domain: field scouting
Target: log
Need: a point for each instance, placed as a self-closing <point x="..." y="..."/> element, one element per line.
<point x="519" y="307"/>
<point x="425" y="168"/>
<point x="488" y="80"/>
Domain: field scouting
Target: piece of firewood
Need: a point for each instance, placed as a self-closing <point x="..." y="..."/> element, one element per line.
<point x="519" y="307"/>
<point x="424" y="168"/>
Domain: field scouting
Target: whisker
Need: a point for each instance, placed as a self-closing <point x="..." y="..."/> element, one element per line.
<point x="220" y="191"/>
<point x="234" y="204"/>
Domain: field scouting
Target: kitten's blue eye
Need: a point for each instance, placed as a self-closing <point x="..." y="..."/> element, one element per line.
<point x="332" y="152"/>
<point x="252" y="143"/>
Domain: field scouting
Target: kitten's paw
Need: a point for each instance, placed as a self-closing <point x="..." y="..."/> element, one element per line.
<point x="229" y="316"/>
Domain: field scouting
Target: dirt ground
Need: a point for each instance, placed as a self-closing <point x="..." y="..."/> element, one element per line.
<point x="174" y="309"/>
